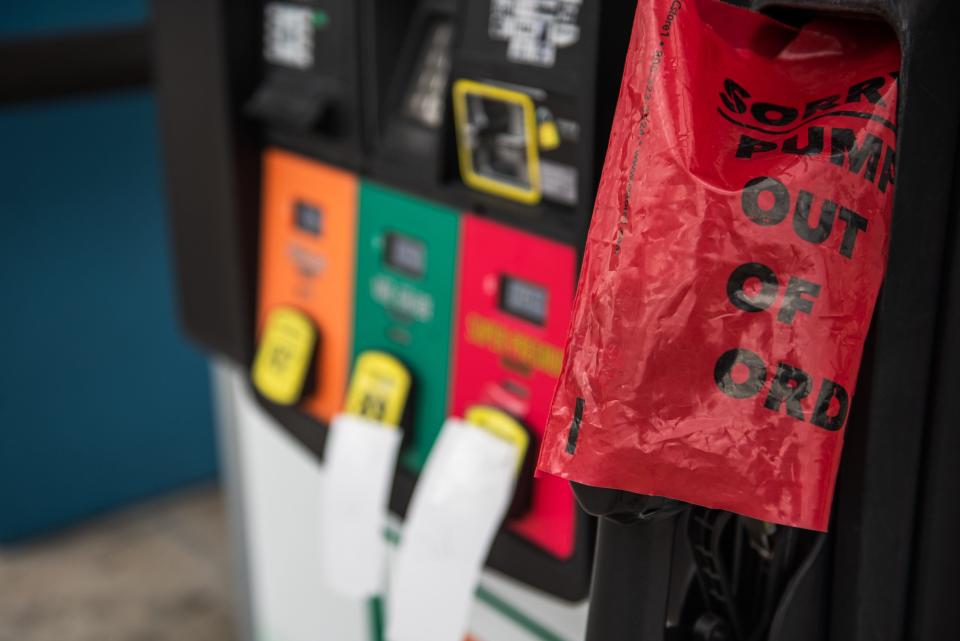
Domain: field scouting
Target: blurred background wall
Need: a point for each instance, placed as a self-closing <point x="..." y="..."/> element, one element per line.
<point x="45" y="17"/>
<point x="101" y="400"/>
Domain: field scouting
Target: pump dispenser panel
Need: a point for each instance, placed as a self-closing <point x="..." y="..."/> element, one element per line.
<point x="308" y="233"/>
<point x="516" y="292"/>
<point x="406" y="267"/>
<point x="428" y="179"/>
<point x="473" y="126"/>
<point x="427" y="172"/>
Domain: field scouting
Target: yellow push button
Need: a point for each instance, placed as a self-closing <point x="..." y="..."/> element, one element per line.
<point x="501" y="425"/>
<point x="548" y="135"/>
<point x="284" y="355"/>
<point x="378" y="388"/>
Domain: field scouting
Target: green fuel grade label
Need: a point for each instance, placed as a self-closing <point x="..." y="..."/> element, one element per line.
<point x="406" y="273"/>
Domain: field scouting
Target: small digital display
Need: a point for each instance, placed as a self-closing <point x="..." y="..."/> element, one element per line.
<point x="308" y="218"/>
<point x="524" y="300"/>
<point x="406" y="255"/>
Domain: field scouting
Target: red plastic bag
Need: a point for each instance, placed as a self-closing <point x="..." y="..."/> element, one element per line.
<point x="737" y="246"/>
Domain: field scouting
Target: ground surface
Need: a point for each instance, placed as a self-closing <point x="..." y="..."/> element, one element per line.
<point x="157" y="572"/>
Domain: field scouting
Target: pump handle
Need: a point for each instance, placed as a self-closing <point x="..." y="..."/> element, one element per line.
<point x="631" y="579"/>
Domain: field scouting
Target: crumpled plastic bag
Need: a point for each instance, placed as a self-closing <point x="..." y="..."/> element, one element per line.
<point x="737" y="246"/>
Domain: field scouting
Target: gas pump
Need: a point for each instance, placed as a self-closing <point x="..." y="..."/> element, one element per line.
<point x="387" y="122"/>
<point x="352" y="145"/>
<point x="491" y="117"/>
<point x="533" y="87"/>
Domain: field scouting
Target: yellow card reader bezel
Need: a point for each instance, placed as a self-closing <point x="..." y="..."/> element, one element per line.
<point x="463" y="88"/>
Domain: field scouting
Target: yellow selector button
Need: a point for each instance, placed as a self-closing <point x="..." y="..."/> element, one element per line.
<point x="548" y="135"/>
<point x="284" y="355"/>
<point x="378" y="388"/>
<point x="501" y="425"/>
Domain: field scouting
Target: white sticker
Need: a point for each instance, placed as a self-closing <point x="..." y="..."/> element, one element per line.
<point x="360" y="457"/>
<point x="463" y="495"/>
<point x="288" y="35"/>
<point x="535" y="29"/>
<point x="558" y="182"/>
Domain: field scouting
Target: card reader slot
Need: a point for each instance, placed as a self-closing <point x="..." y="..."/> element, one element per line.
<point x="294" y="103"/>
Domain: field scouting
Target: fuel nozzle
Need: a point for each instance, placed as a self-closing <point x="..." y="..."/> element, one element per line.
<point x="503" y="425"/>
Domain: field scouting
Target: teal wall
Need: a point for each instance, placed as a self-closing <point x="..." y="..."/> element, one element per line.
<point x="43" y="17"/>
<point x="101" y="400"/>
